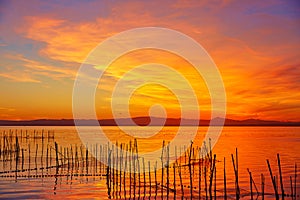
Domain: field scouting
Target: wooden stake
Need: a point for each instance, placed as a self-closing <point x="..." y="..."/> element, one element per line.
<point x="225" y="188"/>
<point x="162" y="169"/>
<point x="190" y="171"/>
<point x="235" y="167"/>
<point x="295" y="182"/>
<point x="280" y="175"/>
<point x="251" y="192"/>
<point x="262" y="187"/>
<point x="273" y="181"/>
<point x="292" y="190"/>
<point x="149" y="176"/>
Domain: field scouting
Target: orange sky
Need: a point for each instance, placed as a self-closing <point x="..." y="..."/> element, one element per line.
<point x="255" y="45"/>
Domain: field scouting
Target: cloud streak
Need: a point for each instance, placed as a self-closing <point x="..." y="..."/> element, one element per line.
<point x="255" y="45"/>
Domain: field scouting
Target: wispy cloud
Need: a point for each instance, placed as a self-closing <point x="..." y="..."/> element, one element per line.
<point x="255" y="45"/>
<point x="15" y="76"/>
<point x="34" y="71"/>
<point x="7" y="109"/>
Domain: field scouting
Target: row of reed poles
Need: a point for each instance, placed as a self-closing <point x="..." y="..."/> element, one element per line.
<point x="192" y="175"/>
<point x="187" y="177"/>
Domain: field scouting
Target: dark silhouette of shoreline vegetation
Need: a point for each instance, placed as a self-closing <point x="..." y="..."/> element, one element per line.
<point x="144" y="121"/>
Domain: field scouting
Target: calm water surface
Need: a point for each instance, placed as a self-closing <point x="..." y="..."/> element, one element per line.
<point x="254" y="144"/>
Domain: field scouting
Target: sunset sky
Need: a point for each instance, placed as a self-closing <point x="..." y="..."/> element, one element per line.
<point x="255" y="44"/>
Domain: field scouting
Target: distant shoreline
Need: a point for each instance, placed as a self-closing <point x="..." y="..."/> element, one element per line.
<point x="144" y="121"/>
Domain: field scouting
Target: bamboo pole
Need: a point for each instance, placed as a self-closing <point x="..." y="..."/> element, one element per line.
<point x="180" y="179"/>
<point x="144" y="175"/>
<point x="199" y="176"/>
<point x="212" y="170"/>
<point x="76" y="158"/>
<point x="205" y="182"/>
<point x="50" y="157"/>
<point x="174" y="179"/>
<point x="251" y="191"/>
<point x="56" y="157"/>
<point x="225" y="188"/>
<point x="155" y="179"/>
<point x="100" y="159"/>
<point x="292" y="189"/>
<point x="149" y="177"/>
<point x="29" y="159"/>
<point x="68" y="160"/>
<point x="190" y="170"/>
<point x="35" y="158"/>
<point x="87" y="160"/>
<point x="130" y="168"/>
<point x="168" y="172"/>
<point x="22" y="159"/>
<point x="116" y="166"/>
<point x="82" y="159"/>
<point x="215" y="187"/>
<point x="134" y="172"/>
<point x="113" y="168"/>
<point x="120" y="167"/>
<point x="108" y="174"/>
<point x="42" y="153"/>
<point x="295" y="181"/>
<point x="125" y="169"/>
<point x="47" y="154"/>
<point x="235" y="167"/>
<point x="273" y="180"/>
<point x="72" y="157"/>
<point x="262" y="187"/>
<point x="17" y="155"/>
<point x="139" y="172"/>
<point x="280" y="174"/>
<point x="162" y="169"/>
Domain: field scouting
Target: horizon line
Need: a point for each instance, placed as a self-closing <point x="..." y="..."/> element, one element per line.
<point x="146" y="121"/>
<point x="149" y="117"/>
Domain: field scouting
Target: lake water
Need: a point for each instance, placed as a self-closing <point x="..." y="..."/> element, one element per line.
<point x="254" y="144"/>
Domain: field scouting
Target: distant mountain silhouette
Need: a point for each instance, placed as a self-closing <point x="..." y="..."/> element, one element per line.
<point x="144" y="121"/>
